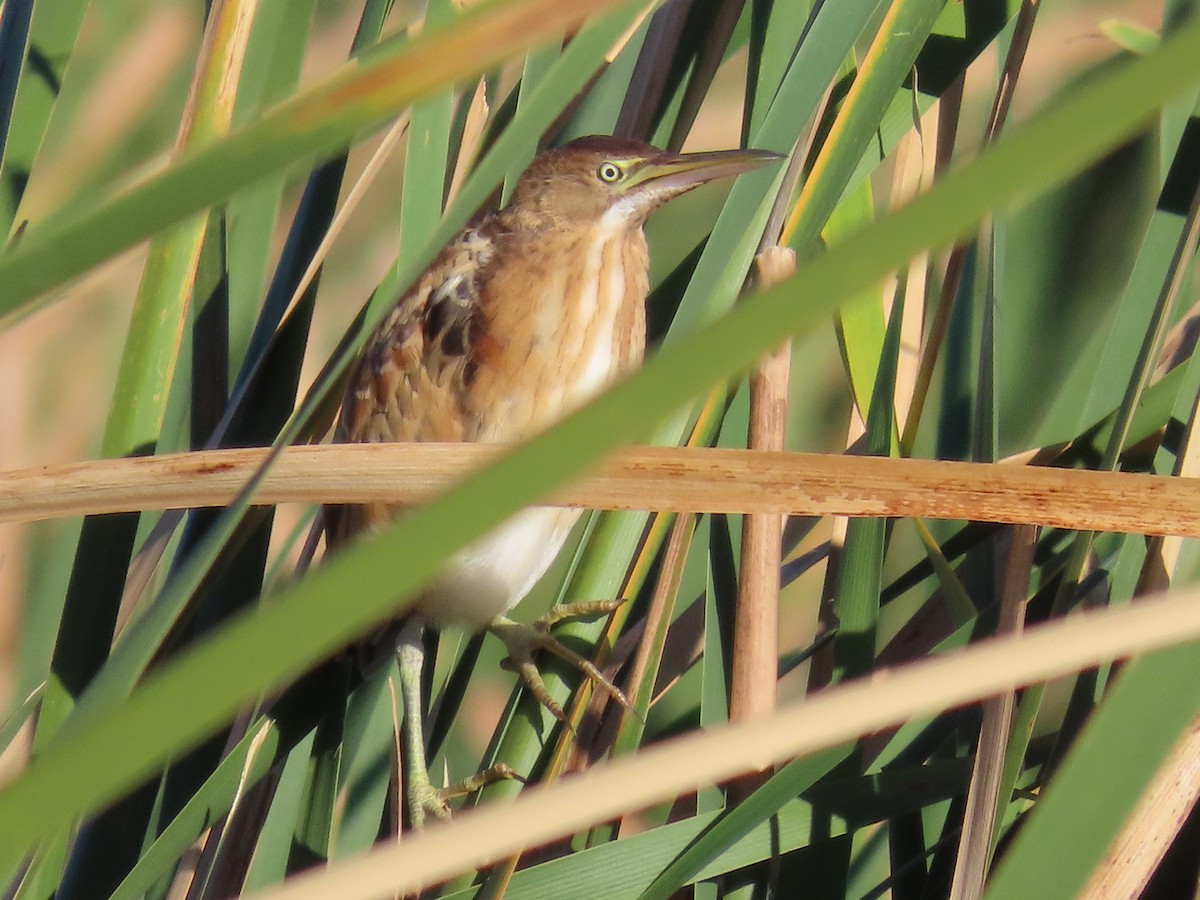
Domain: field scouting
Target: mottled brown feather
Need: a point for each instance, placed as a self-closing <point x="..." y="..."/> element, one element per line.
<point x="520" y="319"/>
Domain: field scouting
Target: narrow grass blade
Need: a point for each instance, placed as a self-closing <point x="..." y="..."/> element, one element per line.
<point x="242" y="660"/>
<point x="322" y="120"/>
<point x="1127" y="739"/>
<point x="36" y="80"/>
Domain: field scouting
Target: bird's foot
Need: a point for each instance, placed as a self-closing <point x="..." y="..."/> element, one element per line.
<point x="523" y="641"/>
<point x="428" y="802"/>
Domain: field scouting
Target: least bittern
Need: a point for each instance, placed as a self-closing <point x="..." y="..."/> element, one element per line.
<point x="525" y="315"/>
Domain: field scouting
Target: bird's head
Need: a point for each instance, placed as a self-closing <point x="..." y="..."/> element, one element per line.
<point x="591" y="177"/>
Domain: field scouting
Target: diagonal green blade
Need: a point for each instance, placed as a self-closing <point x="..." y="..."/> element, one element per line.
<point x="360" y="97"/>
<point x="263" y="649"/>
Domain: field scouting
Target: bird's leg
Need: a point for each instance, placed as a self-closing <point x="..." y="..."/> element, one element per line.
<point x="523" y="641"/>
<point x="422" y="797"/>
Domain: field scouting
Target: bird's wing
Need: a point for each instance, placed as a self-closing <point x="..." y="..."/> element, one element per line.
<point x="410" y="380"/>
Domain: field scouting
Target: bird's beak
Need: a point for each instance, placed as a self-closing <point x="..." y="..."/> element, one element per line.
<point x="674" y="173"/>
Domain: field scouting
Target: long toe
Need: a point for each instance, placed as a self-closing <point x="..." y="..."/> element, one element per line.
<point x="427" y="802"/>
<point x="478" y="781"/>
<point x="580" y="609"/>
<point x="522" y="641"/>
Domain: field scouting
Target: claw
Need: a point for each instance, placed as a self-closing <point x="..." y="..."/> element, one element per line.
<point x="426" y="801"/>
<point x="523" y="640"/>
<point x="580" y="609"/>
<point x="478" y="781"/>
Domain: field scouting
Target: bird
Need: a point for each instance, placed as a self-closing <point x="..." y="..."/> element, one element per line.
<point x="521" y="318"/>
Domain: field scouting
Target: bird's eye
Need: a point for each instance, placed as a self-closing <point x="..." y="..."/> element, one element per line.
<point x="609" y="172"/>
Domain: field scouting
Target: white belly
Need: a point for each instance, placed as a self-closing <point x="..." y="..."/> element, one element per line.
<point x="568" y="365"/>
<point x="492" y="575"/>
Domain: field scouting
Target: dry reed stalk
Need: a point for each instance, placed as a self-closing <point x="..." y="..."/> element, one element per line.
<point x="660" y="478"/>
<point x="886" y="699"/>
<point x="756" y="626"/>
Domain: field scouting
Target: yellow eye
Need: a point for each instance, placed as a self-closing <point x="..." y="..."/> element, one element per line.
<point x="609" y="172"/>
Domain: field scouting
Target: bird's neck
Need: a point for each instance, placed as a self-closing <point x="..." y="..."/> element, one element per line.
<point x="574" y="314"/>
